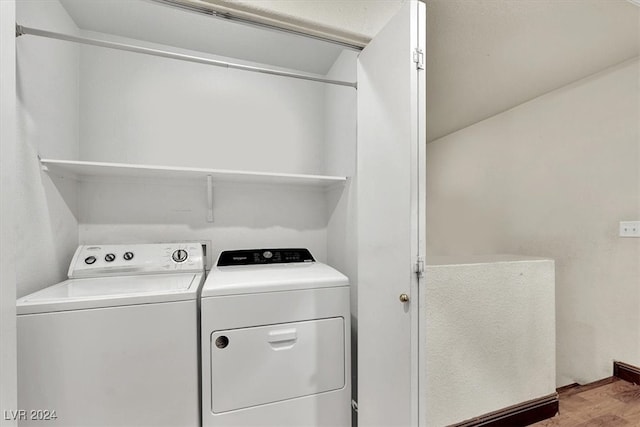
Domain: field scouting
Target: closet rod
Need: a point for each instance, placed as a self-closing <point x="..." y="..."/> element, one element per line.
<point x="22" y="30"/>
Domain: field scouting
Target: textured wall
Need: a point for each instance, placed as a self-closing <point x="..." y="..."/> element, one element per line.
<point x="552" y="178"/>
<point x="490" y="335"/>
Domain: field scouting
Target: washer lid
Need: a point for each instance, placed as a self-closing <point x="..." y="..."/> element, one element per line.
<point x="250" y="279"/>
<point x="78" y="294"/>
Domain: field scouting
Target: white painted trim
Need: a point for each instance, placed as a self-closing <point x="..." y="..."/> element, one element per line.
<point x="418" y="337"/>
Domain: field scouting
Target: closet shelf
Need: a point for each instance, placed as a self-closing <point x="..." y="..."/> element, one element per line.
<point x="80" y="169"/>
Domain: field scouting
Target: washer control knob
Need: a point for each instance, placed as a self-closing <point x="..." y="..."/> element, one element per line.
<point x="109" y="257"/>
<point x="128" y="256"/>
<point x="90" y="260"/>
<point x="267" y="254"/>
<point x="180" y="255"/>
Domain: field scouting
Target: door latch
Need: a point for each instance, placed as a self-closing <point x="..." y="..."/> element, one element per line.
<point x="420" y="267"/>
<point x="418" y="58"/>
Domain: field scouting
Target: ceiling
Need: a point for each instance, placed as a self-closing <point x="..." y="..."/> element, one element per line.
<point x="487" y="56"/>
<point x="483" y="56"/>
<point x="351" y="21"/>
<point x="159" y="23"/>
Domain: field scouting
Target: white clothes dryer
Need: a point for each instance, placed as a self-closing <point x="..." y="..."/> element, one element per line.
<point x="116" y="344"/>
<point x="275" y="329"/>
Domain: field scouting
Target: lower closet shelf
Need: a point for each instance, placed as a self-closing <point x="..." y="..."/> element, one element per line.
<point x="78" y="169"/>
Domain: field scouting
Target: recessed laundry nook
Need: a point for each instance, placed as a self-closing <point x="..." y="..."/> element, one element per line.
<point x="226" y="136"/>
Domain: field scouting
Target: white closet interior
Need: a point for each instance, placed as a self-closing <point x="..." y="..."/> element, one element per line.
<point x="126" y="146"/>
<point x="145" y="148"/>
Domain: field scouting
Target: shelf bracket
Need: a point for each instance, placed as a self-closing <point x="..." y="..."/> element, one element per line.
<point x="43" y="168"/>
<point x="209" y="198"/>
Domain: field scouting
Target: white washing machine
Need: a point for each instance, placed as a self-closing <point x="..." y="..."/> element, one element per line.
<point x="117" y="344"/>
<point x="275" y="341"/>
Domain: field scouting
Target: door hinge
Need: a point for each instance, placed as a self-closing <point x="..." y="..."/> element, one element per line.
<point x="420" y="267"/>
<point x="418" y="58"/>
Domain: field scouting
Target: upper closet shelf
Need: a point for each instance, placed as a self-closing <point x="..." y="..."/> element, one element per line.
<point x="79" y="169"/>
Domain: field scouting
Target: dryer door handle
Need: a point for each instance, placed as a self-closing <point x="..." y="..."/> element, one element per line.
<point x="283" y="336"/>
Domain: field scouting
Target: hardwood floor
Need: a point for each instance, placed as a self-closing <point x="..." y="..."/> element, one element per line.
<point x="608" y="403"/>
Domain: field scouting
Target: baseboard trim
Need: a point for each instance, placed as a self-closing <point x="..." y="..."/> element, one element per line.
<point x="626" y="372"/>
<point x="523" y="414"/>
<point x="576" y="388"/>
<point x="567" y="388"/>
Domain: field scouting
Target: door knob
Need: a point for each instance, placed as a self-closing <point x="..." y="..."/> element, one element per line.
<point x="404" y="298"/>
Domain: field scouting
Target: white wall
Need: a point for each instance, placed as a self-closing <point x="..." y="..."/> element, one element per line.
<point x="552" y="178"/>
<point x="245" y="216"/>
<point x="8" y="397"/>
<point x="143" y="109"/>
<point x="148" y="110"/>
<point x="47" y="119"/>
<point x="490" y="335"/>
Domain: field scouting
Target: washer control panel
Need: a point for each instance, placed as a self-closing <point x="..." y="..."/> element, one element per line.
<point x="264" y="256"/>
<point x="110" y="260"/>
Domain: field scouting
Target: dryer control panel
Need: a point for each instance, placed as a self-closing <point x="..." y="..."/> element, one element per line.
<point x="264" y="256"/>
<point x="154" y="258"/>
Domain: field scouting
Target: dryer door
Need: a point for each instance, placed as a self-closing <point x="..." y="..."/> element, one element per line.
<point x="265" y="364"/>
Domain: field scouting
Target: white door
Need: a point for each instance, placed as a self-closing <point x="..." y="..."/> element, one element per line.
<point x="390" y="205"/>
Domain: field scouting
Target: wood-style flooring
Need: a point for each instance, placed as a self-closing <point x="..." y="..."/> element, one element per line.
<point x="611" y="402"/>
